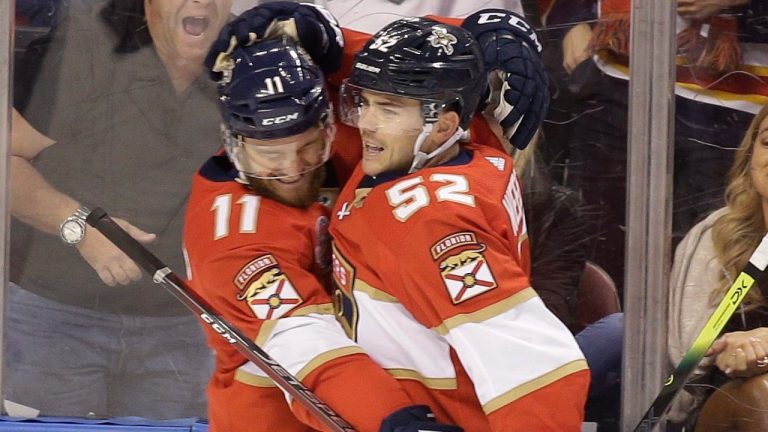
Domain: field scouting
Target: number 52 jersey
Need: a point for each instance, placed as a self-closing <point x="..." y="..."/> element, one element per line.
<point x="431" y="274"/>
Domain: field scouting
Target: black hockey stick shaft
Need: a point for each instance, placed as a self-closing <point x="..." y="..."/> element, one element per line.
<point x="99" y="219"/>
<point x="733" y="298"/>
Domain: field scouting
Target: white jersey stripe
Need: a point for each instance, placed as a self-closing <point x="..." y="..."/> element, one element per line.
<point x="488" y="312"/>
<point x="393" y="337"/>
<point x="531" y="386"/>
<point x="514" y="348"/>
<point x="301" y="343"/>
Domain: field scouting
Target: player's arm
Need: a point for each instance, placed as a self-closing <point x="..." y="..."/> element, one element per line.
<point x="353" y="43"/>
<point x="283" y="307"/>
<point x="519" y="96"/>
<point x="29" y="190"/>
<point x="311" y="25"/>
<point x="38" y="203"/>
<point x="525" y="365"/>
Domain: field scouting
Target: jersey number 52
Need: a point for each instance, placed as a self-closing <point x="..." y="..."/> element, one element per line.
<point x="411" y="195"/>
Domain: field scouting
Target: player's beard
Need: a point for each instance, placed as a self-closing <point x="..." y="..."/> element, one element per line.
<point x="301" y="198"/>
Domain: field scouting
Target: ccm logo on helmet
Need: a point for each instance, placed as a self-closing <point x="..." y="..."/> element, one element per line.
<point x="279" y="119"/>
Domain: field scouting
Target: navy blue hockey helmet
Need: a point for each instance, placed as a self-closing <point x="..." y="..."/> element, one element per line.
<point x="423" y="59"/>
<point x="273" y="90"/>
<point x="270" y="93"/>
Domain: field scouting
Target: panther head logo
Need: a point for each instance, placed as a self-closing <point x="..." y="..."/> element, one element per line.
<point x="440" y="38"/>
<point x="263" y="282"/>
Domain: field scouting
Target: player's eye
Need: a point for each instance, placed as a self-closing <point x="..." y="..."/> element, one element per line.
<point x="389" y="112"/>
<point x="312" y="144"/>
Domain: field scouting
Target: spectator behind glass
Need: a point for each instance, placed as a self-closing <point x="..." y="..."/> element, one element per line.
<point x="706" y="262"/>
<point x="559" y="232"/>
<point x="720" y="85"/>
<point x="560" y="238"/>
<point x="120" y="117"/>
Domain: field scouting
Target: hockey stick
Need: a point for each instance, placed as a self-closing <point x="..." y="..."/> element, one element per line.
<point x="736" y="293"/>
<point x="100" y="220"/>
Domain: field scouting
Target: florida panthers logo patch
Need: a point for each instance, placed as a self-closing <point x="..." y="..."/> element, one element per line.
<point x="266" y="289"/>
<point x="467" y="274"/>
<point x="440" y="38"/>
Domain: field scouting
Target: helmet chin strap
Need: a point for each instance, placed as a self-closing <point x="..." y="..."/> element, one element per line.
<point x="420" y="158"/>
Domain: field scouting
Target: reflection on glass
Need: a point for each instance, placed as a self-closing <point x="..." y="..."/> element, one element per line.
<point x="721" y="83"/>
<point x="718" y="216"/>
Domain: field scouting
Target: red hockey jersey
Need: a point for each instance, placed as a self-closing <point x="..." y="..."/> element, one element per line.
<point x="432" y="281"/>
<point x="261" y="265"/>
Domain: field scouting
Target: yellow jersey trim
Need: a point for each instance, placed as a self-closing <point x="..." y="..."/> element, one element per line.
<point x="533" y="385"/>
<point x="487" y="312"/>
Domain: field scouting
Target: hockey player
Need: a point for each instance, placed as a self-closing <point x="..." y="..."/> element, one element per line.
<point x="256" y="241"/>
<point x="430" y="254"/>
<point x="511" y="52"/>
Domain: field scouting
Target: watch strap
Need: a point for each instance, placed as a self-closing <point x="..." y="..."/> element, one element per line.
<point x="82" y="212"/>
<point x="78" y="217"/>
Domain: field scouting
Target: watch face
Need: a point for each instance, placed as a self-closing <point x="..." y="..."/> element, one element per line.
<point x="72" y="231"/>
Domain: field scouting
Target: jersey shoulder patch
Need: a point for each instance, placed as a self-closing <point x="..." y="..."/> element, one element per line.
<point x="266" y="290"/>
<point x="465" y="271"/>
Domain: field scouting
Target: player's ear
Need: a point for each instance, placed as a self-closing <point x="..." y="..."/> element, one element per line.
<point x="446" y="125"/>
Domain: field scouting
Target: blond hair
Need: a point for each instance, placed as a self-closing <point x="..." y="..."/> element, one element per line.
<point x="737" y="233"/>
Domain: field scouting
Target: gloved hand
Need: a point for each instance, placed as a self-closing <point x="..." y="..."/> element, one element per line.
<point x="314" y="28"/>
<point x="415" y="418"/>
<point x="512" y="51"/>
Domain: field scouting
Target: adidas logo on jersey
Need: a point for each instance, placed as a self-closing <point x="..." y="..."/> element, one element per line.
<point x="498" y="162"/>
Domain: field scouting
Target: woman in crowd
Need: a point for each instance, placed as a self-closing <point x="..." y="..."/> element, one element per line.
<point x="706" y="262"/>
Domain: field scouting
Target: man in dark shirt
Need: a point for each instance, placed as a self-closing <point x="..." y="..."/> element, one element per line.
<point x="120" y="117"/>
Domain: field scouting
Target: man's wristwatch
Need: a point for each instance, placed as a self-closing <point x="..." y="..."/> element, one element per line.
<point x="72" y="230"/>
